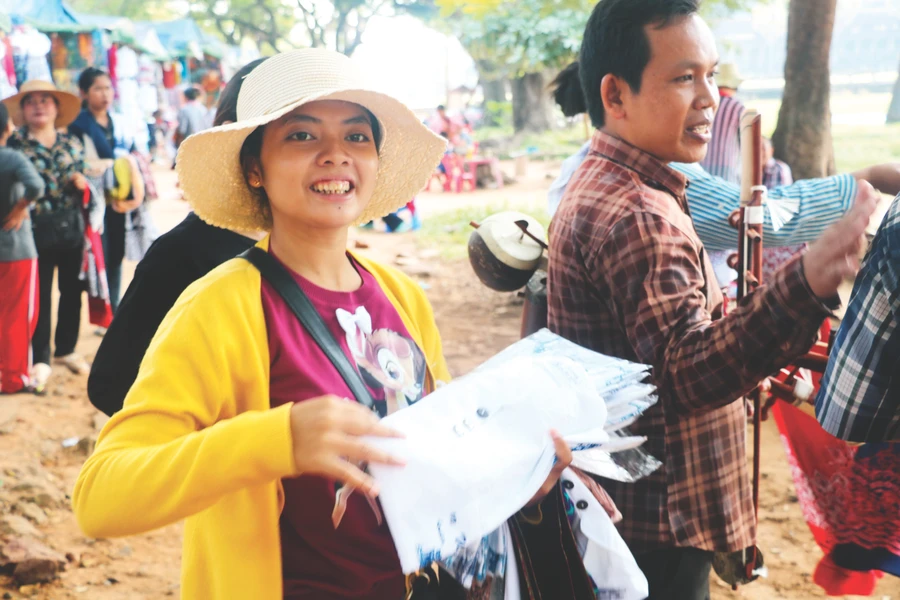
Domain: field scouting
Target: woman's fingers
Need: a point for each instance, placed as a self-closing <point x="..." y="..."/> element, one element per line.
<point x="351" y="475"/>
<point x="359" y="420"/>
<point x="357" y="451"/>
<point x="563" y="452"/>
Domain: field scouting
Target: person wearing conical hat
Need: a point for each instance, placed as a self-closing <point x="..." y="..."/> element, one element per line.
<point x="239" y="421"/>
<point x="40" y="111"/>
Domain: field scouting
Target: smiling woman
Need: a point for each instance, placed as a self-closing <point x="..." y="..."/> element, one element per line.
<point x="239" y="419"/>
<point x="280" y="163"/>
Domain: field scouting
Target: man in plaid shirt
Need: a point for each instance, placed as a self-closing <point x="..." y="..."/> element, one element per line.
<point x="859" y="400"/>
<point x="630" y="278"/>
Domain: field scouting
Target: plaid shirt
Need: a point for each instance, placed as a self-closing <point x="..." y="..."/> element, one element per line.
<point x="859" y="400"/>
<point x="629" y="277"/>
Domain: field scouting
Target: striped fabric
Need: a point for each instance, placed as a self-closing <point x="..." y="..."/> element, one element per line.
<point x="723" y="158"/>
<point x="628" y="277"/>
<point x="859" y="400"/>
<point x="711" y="200"/>
<point x="821" y="203"/>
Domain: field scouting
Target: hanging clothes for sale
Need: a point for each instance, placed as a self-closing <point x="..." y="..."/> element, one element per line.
<point x="850" y="497"/>
<point x="93" y="265"/>
<point x="30" y="54"/>
<point x="59" y="53"/>
<point x="113" y="64"/>
<point x="169" y="76"/>
<point x="7" y="68"/>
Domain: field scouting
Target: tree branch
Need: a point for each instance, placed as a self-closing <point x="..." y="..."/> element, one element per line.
<point x="315" y="30"/>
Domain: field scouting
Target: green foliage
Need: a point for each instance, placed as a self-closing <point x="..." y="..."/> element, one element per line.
<point x="154" y="9"/>
<point x="524" y="36"/>
<point x="527" y="36"/>
<point x="498" y="114"/>
<point x="266" y="22"/>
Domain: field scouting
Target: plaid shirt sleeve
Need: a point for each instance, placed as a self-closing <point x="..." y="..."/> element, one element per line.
<point x="859" y="400"/>
<point x="662" y="302"/>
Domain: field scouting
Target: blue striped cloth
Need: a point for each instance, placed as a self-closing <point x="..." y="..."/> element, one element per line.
<point x="712" y="200"/>
<point x="859" y="400"/>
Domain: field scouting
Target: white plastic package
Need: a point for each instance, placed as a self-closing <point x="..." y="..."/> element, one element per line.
<point x="478" y="449"/>
<point x="606" y="558"/>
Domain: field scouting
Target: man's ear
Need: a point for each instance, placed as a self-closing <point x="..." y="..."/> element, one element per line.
<point x="612" y="90"/>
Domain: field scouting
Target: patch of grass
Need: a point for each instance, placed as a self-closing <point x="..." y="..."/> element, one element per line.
<point x="856" y="147"/>
<point x="555" y="144"/>
<point x="449" y="232"/>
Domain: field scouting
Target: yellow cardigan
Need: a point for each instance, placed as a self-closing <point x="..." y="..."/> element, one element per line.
<point x="197" y="440"/>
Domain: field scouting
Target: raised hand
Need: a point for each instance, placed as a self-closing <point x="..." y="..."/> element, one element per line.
<point x="835" y="256"/>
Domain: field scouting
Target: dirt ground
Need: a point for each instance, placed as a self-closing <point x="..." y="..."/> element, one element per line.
<point x="475" y="323"/>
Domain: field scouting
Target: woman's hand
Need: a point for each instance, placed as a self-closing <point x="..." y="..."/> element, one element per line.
<point x="79" y="181"/>
<point x="326" y="433"/>
<point x="17" y="216"/>
<point x="563" y="460"/>
<point x="124" y="206"/>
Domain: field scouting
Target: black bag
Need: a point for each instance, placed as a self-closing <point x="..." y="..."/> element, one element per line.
<point x="61" y="229"/>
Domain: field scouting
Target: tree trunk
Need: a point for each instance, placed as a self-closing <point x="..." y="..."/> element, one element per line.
<point x="532" y="109"/>
<point x="803" y="135"/>
<point x="494" y="90"/>
<point x="893" y="115"/>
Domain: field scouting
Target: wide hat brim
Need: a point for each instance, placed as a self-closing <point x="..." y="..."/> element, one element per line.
<point x="69" y="107"/>
<point x="213" y="182"/>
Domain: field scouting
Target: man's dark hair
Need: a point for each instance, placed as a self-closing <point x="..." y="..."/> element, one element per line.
<point x="567" y="92"/>
<point x="191" y="93"/>
<point x="4" y="119"/>
<point x="615" y="42"/>
<point x="226" y="111"/>
<point x="441" y="107"/>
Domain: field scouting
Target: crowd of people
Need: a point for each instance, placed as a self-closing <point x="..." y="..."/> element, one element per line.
<point x="227" y="366"/>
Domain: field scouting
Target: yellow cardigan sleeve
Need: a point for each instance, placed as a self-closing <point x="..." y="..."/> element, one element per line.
<point x="196" y="425"/>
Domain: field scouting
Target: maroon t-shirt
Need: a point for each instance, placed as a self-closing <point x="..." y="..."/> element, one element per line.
<point x="333" y="544"/>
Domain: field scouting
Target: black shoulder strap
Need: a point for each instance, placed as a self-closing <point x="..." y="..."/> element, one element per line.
<point x="310" y="318"/>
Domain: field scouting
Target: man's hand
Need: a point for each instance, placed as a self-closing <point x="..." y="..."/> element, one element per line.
<point x="835" y="256"/>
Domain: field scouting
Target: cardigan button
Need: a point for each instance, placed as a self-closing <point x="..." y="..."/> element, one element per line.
<point x="568" y="484"/>
<point x="582" y="504"/>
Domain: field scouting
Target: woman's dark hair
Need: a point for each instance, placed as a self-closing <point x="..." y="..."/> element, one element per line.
<point x="4" y="118"/>
<point x="615" y="43"/>
<point x="88" y="77"/>
<point x="567" y="92"/>
<point x="86" y="81"/>
<point x="226" y="111"/>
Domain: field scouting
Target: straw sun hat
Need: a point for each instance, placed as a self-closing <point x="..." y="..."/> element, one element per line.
<point x="729" y="76"/>
<point x="209" y="161"/>
<point x="68" y="104"/>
